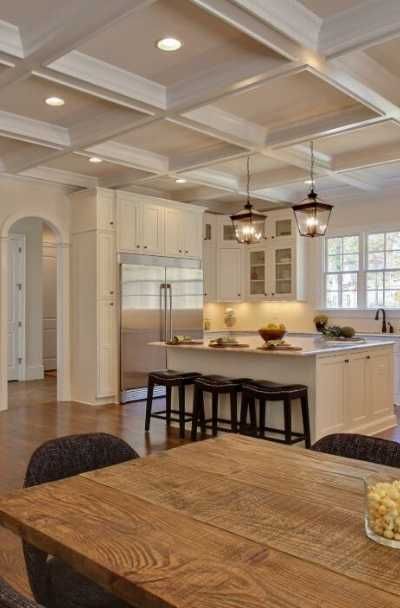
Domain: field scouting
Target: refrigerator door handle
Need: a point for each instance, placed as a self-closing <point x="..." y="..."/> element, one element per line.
<point x="163" y="313"/>
<point x="169" y="287"/>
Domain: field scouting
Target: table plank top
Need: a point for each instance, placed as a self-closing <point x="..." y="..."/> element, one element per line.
<point x="221" y="523"/>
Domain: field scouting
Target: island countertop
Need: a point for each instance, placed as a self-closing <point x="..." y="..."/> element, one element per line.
<point x="310" y="347"/>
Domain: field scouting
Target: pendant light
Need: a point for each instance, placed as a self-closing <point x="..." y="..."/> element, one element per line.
<point x="248" y="225"/>
<point x="312" y="215"/>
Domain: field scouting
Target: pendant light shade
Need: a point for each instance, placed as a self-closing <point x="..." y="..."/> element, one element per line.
<point x="248" y="225"/>
<point x="312" y="215"/>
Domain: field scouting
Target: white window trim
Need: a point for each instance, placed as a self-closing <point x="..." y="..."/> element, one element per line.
<point x="362" y="311"/>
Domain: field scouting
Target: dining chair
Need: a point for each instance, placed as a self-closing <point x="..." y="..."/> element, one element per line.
<point x="360" y="447"/>
<point x="55" y="584"/>
<point x="10" y="598"/>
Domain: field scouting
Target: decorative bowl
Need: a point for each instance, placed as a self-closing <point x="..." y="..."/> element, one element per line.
<point x="382" y="504"/>
<point x="272" y="334"/>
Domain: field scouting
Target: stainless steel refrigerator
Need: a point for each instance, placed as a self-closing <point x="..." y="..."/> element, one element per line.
<point x="160" y="298"/>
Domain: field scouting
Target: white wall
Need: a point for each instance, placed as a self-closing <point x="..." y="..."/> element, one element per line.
<point x="49" y="279"/>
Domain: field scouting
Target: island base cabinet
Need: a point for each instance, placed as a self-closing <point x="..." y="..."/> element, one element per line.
<point x="354" y="392"/>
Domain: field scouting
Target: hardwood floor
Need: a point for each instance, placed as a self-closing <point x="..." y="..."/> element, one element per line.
<point x="34" y="416"/>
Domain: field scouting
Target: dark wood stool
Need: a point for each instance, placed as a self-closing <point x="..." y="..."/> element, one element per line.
<point x="170" y="378"/>
<point x="264" y="391"/>
<point x="216" y="385"/>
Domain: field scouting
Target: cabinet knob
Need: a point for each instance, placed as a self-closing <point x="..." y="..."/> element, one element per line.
<point x="145" y="247"/>
<point x="272" y="294"/>
<point x="346" y="361"/>
<point x="265" y="294"/>
<point x="239" y="294"/>
<point x="186" y="251"/>
<point x="111" y="303"/>
<point x="180" y="250"/>
<point x="111" y="293"/>
<point x="138" y="246"/>
<point x="368" y="357"/>
<point x="111" y="223"/>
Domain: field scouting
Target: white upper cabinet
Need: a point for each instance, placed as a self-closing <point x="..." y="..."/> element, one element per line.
<point x="140" y="225"/>
<point x="226" y="233"/>
<point x="230" y="284"/>
<point x="106" y="265"/>
<point x="105" y="210"/>
<point x="146" y="226"/>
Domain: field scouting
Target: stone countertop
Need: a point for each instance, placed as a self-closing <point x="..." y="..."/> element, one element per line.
<point x="299" y="332"/>
<point x="310" y="347"/>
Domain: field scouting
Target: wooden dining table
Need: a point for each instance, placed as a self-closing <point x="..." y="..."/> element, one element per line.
<point x="224" y="523"/>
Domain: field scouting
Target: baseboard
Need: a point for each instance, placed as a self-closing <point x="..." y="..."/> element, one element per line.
<point x="34" y="372"/>
<point x="50" y="363"/>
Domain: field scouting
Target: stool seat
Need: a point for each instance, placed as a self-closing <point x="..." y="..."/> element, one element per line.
<point x="215" y="382"/>
<point x="267" y="386"/>
<point x="171" y="374"/>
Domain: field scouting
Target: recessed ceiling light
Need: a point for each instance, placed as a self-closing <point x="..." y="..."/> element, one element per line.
<point x="169" y="44"/>
<point x="55" y="101"/>
<point x="95" y="159"/>
<point x="181" y="180"/>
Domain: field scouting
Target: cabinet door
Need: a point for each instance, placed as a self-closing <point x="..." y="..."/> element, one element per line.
<point x="356" y="389"/>
<point x="380" y="382"/>
<point x="210" y="272"/>
<point x="129" y="220"/>
<point x="192" y="231"/>
<point x="396" y="372"/>
<point x="229" y="275"/>
<point x="281" y="227"/>
<point x="210" y="228"/>
<point x="330" y="412"/>
<point x="173" y="233"/>
<point x="256" y="273"/>
<point x="152" y="224"/>
<point x="105" y="210"/>
<point x="226" y="234"/>
<point x="106" y="351"/>
<point x="106" y="265"/>
<point x="282" y="271"/>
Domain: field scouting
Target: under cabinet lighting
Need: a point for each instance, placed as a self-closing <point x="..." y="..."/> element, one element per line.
<point x="55" y="101"/>
<point x="169" y="44"/>
<point x="181" y="180"/>
<point x="95" y="159"/>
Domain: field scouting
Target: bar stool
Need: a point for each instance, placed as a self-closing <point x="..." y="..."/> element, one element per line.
<point x="216" y="385"/>
<point x="170" y="378"/>
<point x="264" y="391"/>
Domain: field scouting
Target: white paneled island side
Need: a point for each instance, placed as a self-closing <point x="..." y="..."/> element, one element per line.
<point x="350" y="385"/>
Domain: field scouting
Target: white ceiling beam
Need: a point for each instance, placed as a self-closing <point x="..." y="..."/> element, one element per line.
<point x="205" y="156"/>
<point x="214" y="179"/>
<point x="121" y="179"/>
<point x="252" y="26"/>
<point x="59" y="176"/>
<point x="367" y="157"/>
<point x="22" y="161"/>
<point x="130" y="156"/>
<point x="367" y="23"/>
<point x="291" y="18"/>
<point x="321" y="126"/>
<point x="104" y="75"/>
<point x="34" y="131"/>
<point x="10" y="39"/>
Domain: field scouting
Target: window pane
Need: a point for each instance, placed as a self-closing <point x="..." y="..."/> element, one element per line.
<point x="393" y="259"/>
<point x="376" y="261"/>
<point x="349" y="281"/>
<point x="392" y="299"/>
<point x="350" y="244"/>
<point x="392" y="280"/>
<point x="332" y="299"/>
<point x="332" y="282"/>
<point x="350" y="261"/>
<point x="393" y="240"/>
<point x="376" y="242"/>
<point x="349" y="299"/>
<point x="334" y="246"/>
<point x="374" y="280"/>
<point x="374" y="299"/>
<point x="334" y="263"/>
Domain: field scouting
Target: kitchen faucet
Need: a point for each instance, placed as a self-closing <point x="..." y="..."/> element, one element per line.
<point x="384" y="328"/>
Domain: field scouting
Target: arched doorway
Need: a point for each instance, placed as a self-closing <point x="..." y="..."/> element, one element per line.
<point x="62" y="248"/>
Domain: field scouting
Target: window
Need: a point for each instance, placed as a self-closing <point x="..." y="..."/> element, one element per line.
<point x="362" y="271"/>
<point x="383" y="269"/>
<point x="342" y="266"/>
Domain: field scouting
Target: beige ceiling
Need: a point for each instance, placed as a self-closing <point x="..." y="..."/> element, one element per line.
<point x="279" y="102"/>
<point x="27" y="98"/>
<point x="80" y="164"/>
<point x="327" y="8"/>
<point x="166" y="138"/>
<point x="235" y="96"/>
<point x="131" y="43"/>
<point x="359" y="139"/>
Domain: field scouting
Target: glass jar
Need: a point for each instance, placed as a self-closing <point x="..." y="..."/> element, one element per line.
<point x="382" y="509"/>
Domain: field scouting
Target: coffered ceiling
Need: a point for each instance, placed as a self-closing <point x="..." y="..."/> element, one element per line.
<point x="252" y="78"/>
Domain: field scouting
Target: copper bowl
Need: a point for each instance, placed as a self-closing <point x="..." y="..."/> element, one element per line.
<point x="272" y="334"/>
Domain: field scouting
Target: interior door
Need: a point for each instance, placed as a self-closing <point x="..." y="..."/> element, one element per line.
<point x="16" y="307"/>
<point x="143" y="320"/>
<point x="185" y="294"/>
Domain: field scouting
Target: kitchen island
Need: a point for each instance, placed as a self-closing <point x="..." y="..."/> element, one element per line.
<point x="350" y="384"/>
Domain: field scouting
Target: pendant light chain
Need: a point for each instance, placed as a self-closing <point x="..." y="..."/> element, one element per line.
<point x="312" y="165"/>
<point x="248" y="180"/>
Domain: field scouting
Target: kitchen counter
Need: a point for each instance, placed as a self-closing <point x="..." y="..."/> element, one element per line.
<point x="310" y="347"/>
<point x="350" y="386"/>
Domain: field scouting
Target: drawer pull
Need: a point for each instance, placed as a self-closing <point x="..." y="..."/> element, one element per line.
<point x="346" y="361"/>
